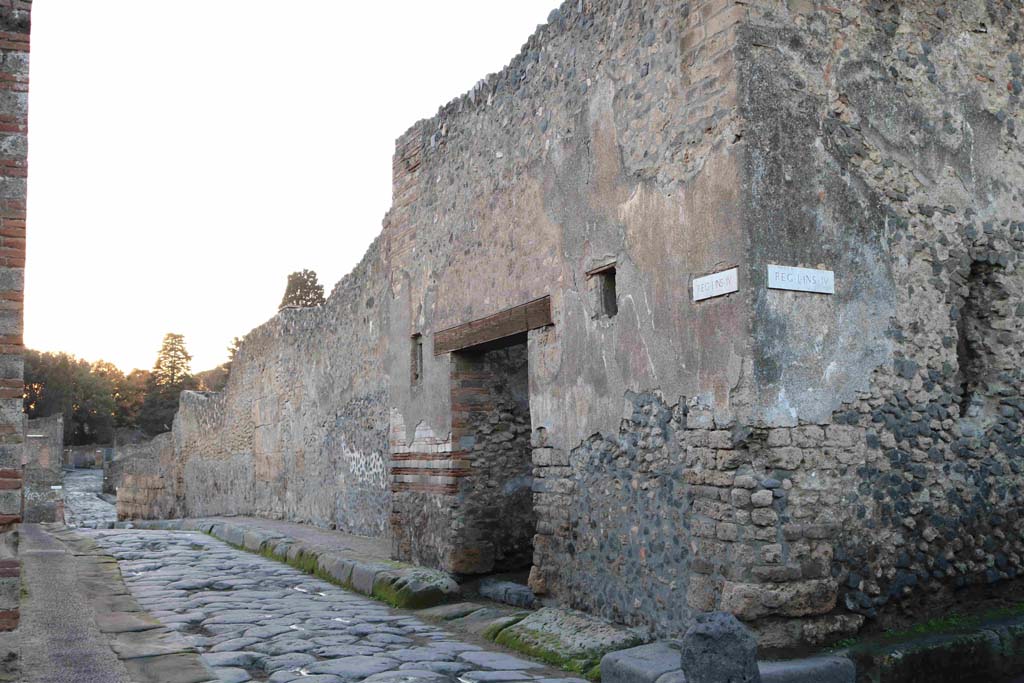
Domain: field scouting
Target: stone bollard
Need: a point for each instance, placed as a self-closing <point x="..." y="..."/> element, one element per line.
<point x="719" y="649"/>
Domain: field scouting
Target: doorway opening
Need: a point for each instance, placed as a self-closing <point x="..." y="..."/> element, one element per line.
<point x="491" y="428"/>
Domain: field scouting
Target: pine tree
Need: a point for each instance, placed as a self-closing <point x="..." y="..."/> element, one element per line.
<point x="173" y="363"/>
<point x="303" y="290"/>
<point x="171" y="375"/>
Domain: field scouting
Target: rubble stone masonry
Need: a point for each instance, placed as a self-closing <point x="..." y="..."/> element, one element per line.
<point x="810" y="462"/>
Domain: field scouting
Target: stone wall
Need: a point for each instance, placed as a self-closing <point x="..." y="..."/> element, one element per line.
<point x="824" y="459"/>
<point x="14" y="49"/>
<point x="300" y="431"/>
<point x="143" y="477"/>
<point x="43" y="470"/>
<point x="807" y="461"/>
<point x="895" y="406"/>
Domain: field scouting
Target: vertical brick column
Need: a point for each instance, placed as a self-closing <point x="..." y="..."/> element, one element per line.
<point x="14" y="50"/>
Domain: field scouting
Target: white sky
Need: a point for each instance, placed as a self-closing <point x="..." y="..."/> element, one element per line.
<point x="185" y="157"/>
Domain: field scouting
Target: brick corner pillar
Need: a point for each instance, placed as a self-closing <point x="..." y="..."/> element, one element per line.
<point x="14" y="52"/>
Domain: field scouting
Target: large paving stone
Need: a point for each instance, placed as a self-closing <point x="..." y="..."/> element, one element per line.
<point x="490" y="676"/>
<point x="498" y="660"/>
<point x="409" y="676"/>
<point x="353" y="668"/>
<point x="147" y="644"/>
<point x="448" y="612"/>
<point x="170" y="668"/>
<point x="232" y="675"/>
<point x="241" y="659"/>
<point x="125" y="622"/>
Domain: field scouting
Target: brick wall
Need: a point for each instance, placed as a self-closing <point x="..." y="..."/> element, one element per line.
<point x="14" y="49"/>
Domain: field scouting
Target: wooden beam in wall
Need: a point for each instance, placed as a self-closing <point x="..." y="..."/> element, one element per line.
<point x="510" y="323"/>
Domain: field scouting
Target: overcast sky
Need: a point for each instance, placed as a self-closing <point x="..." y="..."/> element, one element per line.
<point x="185" y="157"/>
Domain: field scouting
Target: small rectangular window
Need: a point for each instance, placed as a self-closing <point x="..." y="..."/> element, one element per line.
<point x="417" y="358"/>
<point x="606" y="297"/>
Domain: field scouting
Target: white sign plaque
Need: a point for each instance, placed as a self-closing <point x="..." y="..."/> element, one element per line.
<point x="801" y="279"/>
<point x="716" y="284"/>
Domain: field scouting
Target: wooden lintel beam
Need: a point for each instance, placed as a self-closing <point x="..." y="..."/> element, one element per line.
<point x="508" y="323"/>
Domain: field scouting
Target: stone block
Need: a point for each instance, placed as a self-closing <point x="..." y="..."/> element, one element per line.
<point x="811" y="670"/>
<point x="364" y="574"/>
<point x="578" y="641"/>
<point x="233" y="534"/>
<point x="413" y="588"/>
<point x="719" y="649"/>
<point x="253" y="540"/>
<point x="643" y="664"/>
<point x="338" y="568"/>
<point x="508" y="592"/>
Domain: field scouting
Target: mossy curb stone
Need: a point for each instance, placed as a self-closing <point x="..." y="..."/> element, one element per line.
<point x="414" y="588"/>
<point x="567" y="639"/>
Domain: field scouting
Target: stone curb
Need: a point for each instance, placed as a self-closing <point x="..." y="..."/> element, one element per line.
<point x="397" y="584"/>
<point x="660" y="662"/>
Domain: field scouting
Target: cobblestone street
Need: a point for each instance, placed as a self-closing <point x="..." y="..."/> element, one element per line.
<point x="257" y="619"/>
<point x="83" y="506"/>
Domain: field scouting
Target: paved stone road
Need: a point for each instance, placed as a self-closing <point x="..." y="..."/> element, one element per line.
<point x="83" y="506"/>
<point x="257" y="619"/>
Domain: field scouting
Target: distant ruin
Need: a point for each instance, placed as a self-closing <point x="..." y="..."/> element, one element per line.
<point x="527" y="369"/>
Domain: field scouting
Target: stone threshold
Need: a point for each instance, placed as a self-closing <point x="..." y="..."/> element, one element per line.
<point x="149" y="652"/>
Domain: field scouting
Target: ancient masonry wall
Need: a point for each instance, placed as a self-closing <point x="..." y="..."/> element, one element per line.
<point x="43" y="473"/>
<point x="14" y="49"/>
<point x="804" y="461"/>
<point x="613" y="125"/>
<point x="142" y="476"/>
<point x="895" y="158"/>
<point x="300" y="431"/>
<point x="809" y="462"/>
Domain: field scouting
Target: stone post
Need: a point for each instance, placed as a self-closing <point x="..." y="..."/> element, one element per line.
<point x="719" y="649"/>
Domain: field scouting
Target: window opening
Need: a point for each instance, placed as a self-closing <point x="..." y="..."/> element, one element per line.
<point x="602" y="282"/>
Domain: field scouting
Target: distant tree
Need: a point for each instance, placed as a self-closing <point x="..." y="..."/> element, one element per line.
<point x="173" y="363"/>
<point x="130" y="396"/>
<point x="60" y="384"/>
<point x="303" y="290"/>
<point x="171" y="375"/>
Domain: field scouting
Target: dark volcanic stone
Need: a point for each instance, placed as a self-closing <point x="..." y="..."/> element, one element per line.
<point x="719" y="649"/>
